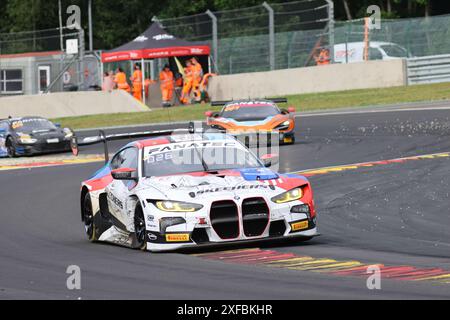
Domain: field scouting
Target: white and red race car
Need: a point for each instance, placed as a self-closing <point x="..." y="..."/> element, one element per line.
<point x="182" y="190"/>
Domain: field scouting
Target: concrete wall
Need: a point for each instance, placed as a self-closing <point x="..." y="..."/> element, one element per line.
<point x="336" y="77"/>
<point x="68" y="104"/>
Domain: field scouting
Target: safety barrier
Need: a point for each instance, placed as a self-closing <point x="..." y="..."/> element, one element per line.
<point x="69" y="104"/>
<point x="335" y="77"/>
<point x="429" y="69"/>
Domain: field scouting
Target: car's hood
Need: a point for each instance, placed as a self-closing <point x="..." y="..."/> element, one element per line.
<point x="223" y="184"/>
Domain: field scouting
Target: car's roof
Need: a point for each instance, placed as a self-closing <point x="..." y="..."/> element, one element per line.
<point x="180" y="138"/>
<point x="372" y="43"/>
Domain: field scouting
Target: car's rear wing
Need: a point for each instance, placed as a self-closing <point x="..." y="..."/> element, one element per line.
<point x="102" y="137"/>
<point x="274" y="100"/>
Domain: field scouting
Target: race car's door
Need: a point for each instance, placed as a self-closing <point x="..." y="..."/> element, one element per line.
<point x="119" y="190"/>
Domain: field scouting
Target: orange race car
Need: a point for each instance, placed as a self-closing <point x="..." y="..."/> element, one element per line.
<point x="247" y="116"/>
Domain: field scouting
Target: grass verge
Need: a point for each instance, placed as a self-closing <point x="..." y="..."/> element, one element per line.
<point x="303" y="102"/>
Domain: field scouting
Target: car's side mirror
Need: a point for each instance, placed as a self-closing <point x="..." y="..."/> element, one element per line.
<point x="127" y="174"/>
<point x="291" y="110"/>
<point x="270" y="160"/>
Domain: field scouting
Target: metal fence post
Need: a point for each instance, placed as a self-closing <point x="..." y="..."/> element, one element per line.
<point x="91" y="32"/>
<point x="331" y="28"/>
<point x="271" y="35"/>
<point x="215" y="43"/>
<point x="81" y="78"/>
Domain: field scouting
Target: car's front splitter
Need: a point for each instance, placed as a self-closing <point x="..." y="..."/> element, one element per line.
<point x="42" y="148"/>
<point x="166" y="246"/>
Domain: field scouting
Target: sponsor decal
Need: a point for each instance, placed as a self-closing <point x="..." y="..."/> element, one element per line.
<point x="247" y="104"/>
<point x="196" y="51"/>
<point x="115" y="200"/>
<point x="17" y="124"/>
<point x="163" y="37"/>
<point x="302" y="225"/>
<point x="186" y="146"/>
<point x="236" y="188"/>
<point x="178" y="237"/>
<point x="232" y="107"/>
<point x="141" y="39"/>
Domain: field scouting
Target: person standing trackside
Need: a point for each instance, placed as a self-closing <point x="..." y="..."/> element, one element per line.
<point x="121" y="80"/>
<point x="166" y="78"/>
<point x="108" y="82"/>
<point x="187" y="86"/>
<point x="137" y="81"/>
<point x="323" y="58"/>
<point x="197" y="76"/>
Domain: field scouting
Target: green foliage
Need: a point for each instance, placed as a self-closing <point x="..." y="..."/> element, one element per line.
<point x="119" y="21"/>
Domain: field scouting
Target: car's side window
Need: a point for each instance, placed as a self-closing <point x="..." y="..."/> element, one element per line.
<point x="127" y="158"/>
<point x="375" y="54"/>
<point x="4" y="126"/>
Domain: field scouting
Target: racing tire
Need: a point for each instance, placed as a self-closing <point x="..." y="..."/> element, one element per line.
<point x="88" y="217"/>
<point x="140" y="228"/>
<point x="10" y="148"/>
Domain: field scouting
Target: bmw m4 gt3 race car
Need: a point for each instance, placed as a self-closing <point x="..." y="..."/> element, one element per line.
<point x="177" y="190"/>
<point x="244" y="116"/>
<point x="32" y="135"/>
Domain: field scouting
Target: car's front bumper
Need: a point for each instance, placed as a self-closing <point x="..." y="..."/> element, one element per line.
<point x="159" y="247"/>
<point x="282" y="225"/>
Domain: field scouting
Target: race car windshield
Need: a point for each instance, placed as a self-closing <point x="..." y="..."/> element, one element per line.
<point x="257" y="112"/>
<point x="395" y="51"/>
<point x="198" y="160"/>
<point x="32" y="125"/>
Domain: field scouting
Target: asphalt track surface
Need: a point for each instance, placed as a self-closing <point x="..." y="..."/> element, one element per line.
<point x="394" y="214"/>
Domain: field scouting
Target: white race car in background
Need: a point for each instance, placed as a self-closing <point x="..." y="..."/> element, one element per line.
<point x="170" y="192"/>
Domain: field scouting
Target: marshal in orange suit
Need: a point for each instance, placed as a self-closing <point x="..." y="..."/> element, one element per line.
<point x="137" y="81"/>
<point x="166" y="78"/>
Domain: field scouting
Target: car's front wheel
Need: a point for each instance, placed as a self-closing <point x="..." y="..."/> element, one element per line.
<point x="88" y="217"/>
<point x="139" y="228"/>
<point x="11" y="148"/>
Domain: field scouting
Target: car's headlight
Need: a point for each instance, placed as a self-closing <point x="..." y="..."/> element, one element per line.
<point x="218" y="127"/>
<point x="68" y="134"/>
<point x="292" y="195"/>
<point x="175" y="206"/>
<point x="283" y="126"/>
<point x="26" y="139"/>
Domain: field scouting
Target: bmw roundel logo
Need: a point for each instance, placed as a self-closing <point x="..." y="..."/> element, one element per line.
<point x="152" y="237"/>
<point x="237" y="198"/>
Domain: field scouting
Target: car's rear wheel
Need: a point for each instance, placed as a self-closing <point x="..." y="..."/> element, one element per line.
<point x="139" y="228"/>
<point x="11" y="148"/>
<point x="88" y="217"/>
